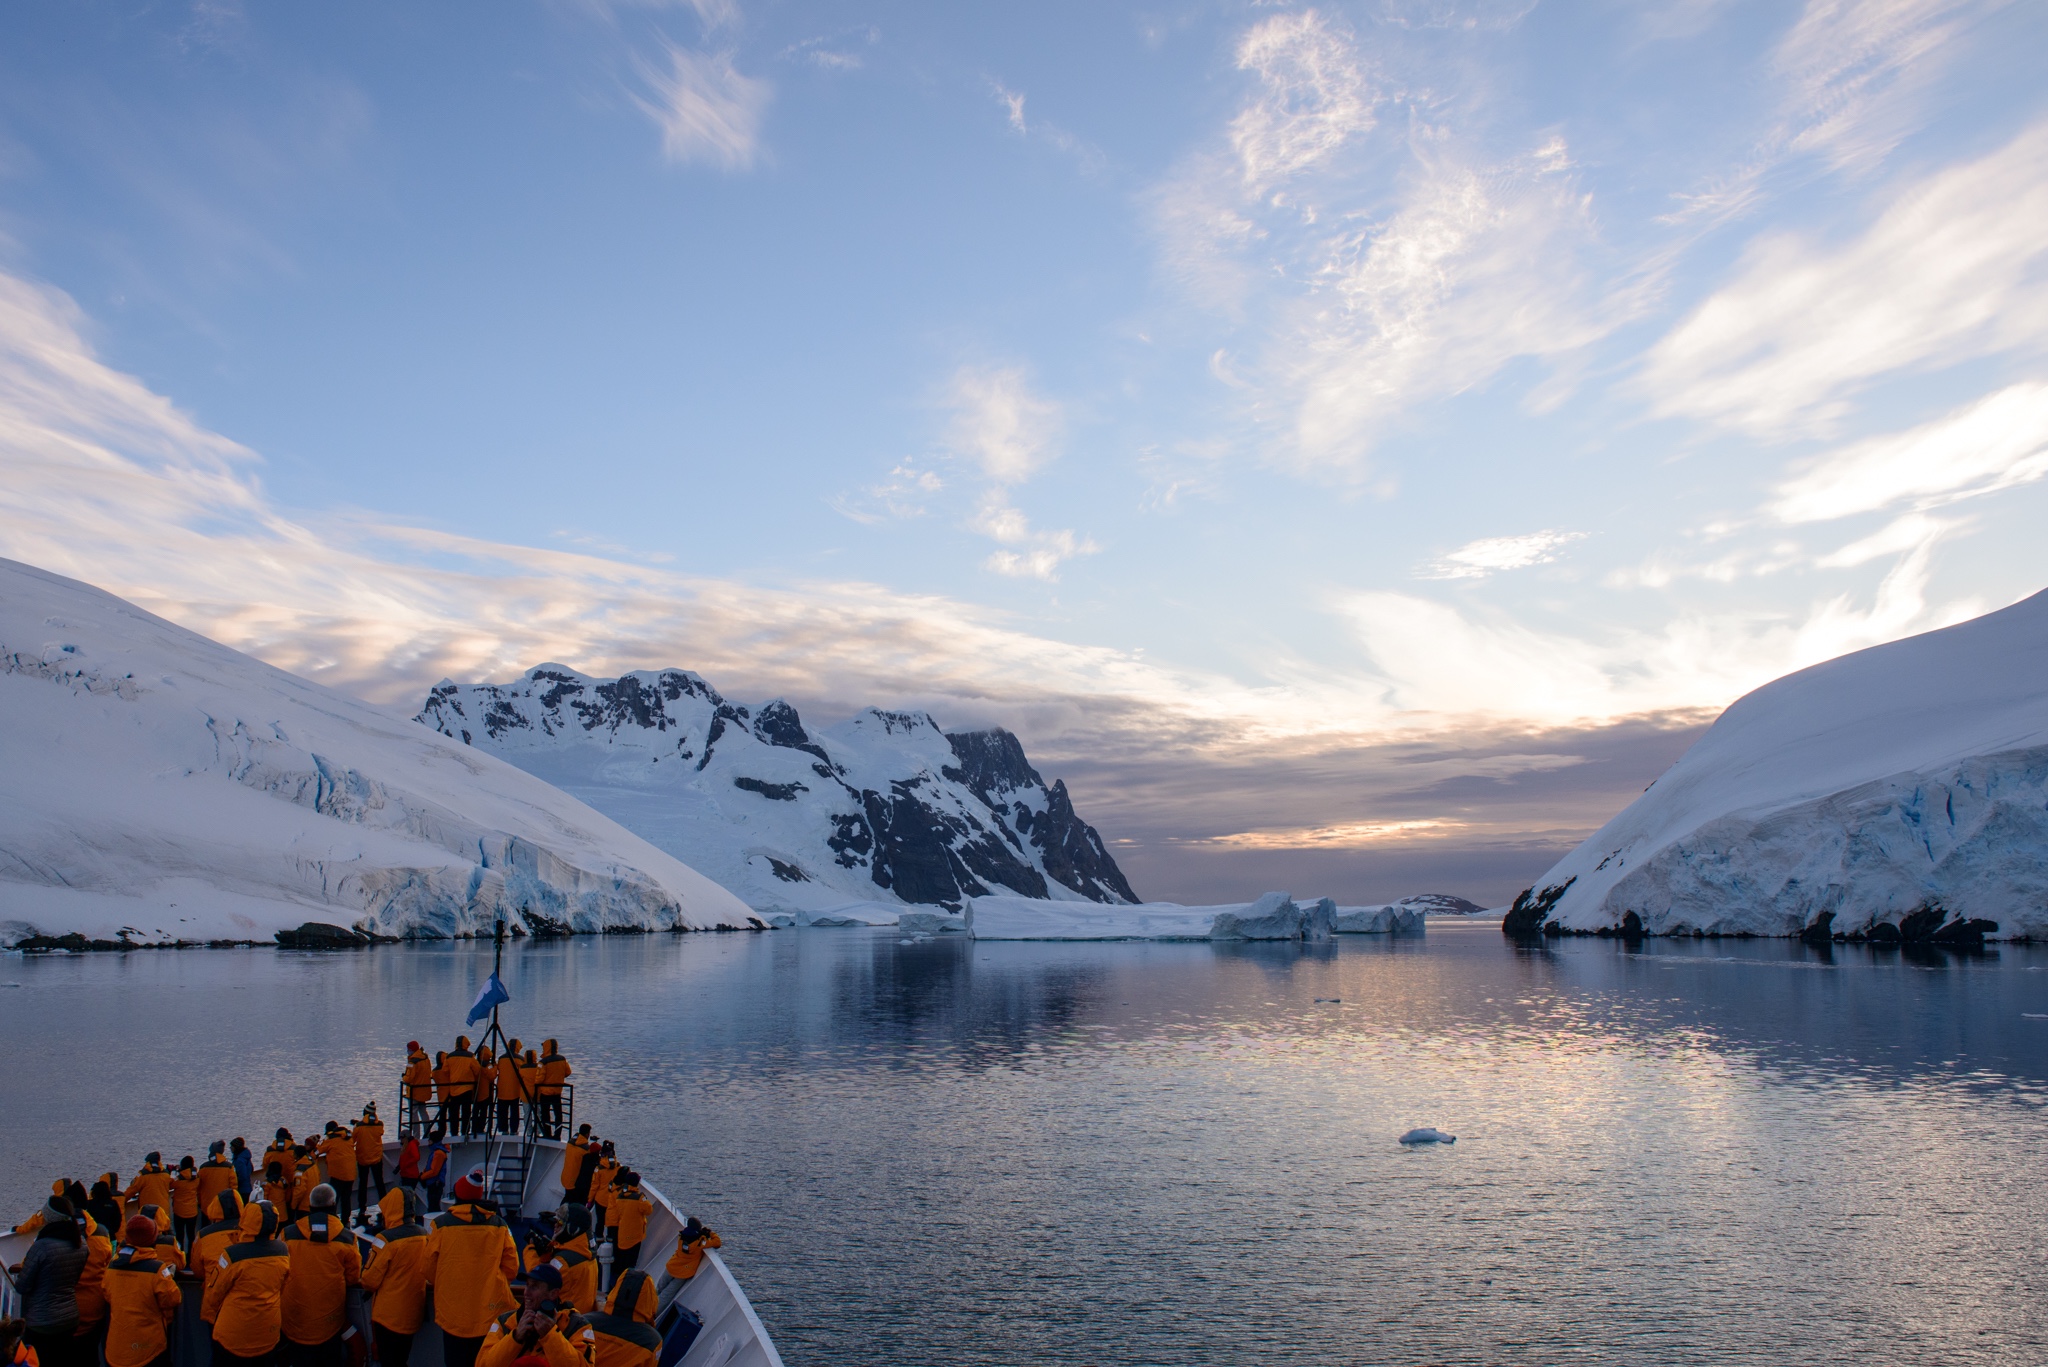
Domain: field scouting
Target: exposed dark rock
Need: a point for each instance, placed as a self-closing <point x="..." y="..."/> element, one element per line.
<point x="1961" y="932"/>
<point x="1631" y="927"/>
<point x="1920" y="925"/>
<point x="1532" y="909"/>
<point x="774" y="792"/>
<point x="1819" y="932"/>
<point x="788" y="873"/>
<point x="322" y="935"/>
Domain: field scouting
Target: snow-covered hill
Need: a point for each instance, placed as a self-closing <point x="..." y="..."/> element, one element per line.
<point x="883" y="807"/>
<point x="158" y="783"/>
<point x="1899" y="793"/>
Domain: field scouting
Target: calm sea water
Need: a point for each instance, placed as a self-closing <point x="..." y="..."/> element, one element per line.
<point x="952" y="1152"/>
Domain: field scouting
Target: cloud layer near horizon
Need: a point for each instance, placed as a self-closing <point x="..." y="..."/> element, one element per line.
<point x="112" y="484"/>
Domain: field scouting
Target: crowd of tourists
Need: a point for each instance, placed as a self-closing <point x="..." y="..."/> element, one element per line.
<point x="298" y="1265"/>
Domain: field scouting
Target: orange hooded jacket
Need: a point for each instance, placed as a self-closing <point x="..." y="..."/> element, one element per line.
<point x="470" y="1263"/>
<point x="216" y="1238"/>
<point x="325" y="1263"/>
<point x="245" y="1296"/>
<point x="338" y="1151"/>
<point x="142" y="1297"/>
<point x="397" y="1274"/>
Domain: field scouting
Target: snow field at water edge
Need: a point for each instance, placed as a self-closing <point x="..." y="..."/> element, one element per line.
<point x="158" y="787"/>
<point x="1899" y="792"/>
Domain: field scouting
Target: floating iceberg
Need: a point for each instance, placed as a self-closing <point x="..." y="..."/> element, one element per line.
<point x="1428" y="1135"/>
<point x="1276" y="916"/>
<point x="1396" y="918"/>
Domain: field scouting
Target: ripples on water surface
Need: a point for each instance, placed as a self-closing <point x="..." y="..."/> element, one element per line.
<point x="948" y="1152"/>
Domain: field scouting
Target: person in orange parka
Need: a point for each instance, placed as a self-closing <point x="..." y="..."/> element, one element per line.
<point x="691" y="1241"/>
<point x="554" y="1073"/>
<point x="540" y="1330"/>
<point x="142" y="1298"/>
<point x="470" y="1260"/>
<point x="462" y="1079"/>
<point x="167" y="1250"/>
<point x="305" y="1177"/>
<point x="396" y="1279"/>
<point x="245" y="1296"/>
<point x="579" y="1160"/>
<point x="629" y="1211"/>
<point x="216" y="1175"/>
<point x="222" y="1231"/>
<point x="324" y="1264"/>
<point x="34" y="1223"/>
<point x="419" y="1087"/>
<point x="510" y="1089"/>
<point x="152" y="1186"/>
<point x="579" y="1265"/>
<point x="338" y="1152"/>
<point x="483" y="1106"/>
<point x="92" y="1282"/>
<point x="185" y="1202"/>
<point x="624" y="1335"/>
<point x="368" y="1134"/>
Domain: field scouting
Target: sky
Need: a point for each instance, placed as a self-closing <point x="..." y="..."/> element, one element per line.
<point x="1357" y="446"/>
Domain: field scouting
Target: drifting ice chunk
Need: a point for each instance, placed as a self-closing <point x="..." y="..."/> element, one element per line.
<point x="1428" y="1135"/>
<point x="1319" y="921"/>
<point x="1394" y="919"/>
<point x="851" y="914"/>
<point x="1272" y="917"/>
<point x="929" y="923"/>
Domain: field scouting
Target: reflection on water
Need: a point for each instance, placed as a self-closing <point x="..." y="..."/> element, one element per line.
<point x="950" y="1152"/>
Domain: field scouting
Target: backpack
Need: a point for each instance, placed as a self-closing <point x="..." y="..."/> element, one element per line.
<point x="679" y="1326"/>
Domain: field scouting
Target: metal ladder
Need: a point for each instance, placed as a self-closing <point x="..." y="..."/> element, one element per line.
<point x="508" y="1177"/>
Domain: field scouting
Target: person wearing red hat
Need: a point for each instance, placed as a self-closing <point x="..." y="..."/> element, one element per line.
<point x="471" y="1260"/>
<point x="142" y="1298"/>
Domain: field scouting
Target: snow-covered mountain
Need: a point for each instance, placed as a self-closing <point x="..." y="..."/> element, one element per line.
<point x="1899" y="793"/>
<point x="883" y="807"/>
<point x="158" y="786"/>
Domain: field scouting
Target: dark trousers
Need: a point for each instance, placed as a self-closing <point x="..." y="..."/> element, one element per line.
<point x="459" y="1352"/>
<point x="393" y="1348"/>
<point x="333" y="1353"/>
<point x="186" y="1228"/>
<point x="344" y="1196"/>
<point x="508" y="1117"/>
<point x="223" y="1358"/>
<point x="62" y="1346"/>
<point x="624" y="1261"/>
<point x="434" y="1203"/>
<point x="372" y="1172"/>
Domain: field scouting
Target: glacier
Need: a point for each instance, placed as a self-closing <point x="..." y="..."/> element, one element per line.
<point x="1275" y="916"/>
<point x="158" y="787"/>
<point x="883" y="810"/>
<point x="1896" y="794"/>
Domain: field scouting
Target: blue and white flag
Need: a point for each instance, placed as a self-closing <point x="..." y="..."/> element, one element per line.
<point x="493" y="994"/>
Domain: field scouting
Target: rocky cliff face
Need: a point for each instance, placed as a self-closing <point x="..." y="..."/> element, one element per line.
<point x="885" y="806"/>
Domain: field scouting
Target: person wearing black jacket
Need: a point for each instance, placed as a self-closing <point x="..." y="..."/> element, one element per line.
<point x="48" y="1282"/>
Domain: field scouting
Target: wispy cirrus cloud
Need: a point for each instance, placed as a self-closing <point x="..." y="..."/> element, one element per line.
<point x="1493" y="554"/>
<point x="1783" y="348"/>
<point x="1995" y="443"/>
<point x="1003" y="425"/>
<point x="1366" y="292"/>
<point x="706" y="109"/>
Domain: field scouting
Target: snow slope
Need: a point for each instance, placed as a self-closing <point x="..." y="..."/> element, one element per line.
<point x="1899" y="792"/>
<point x="885" y="807"/>
<point x="156" y="782"/>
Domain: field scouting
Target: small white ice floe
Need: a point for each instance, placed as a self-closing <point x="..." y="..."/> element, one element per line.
<point x="1428" y="1135"/>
